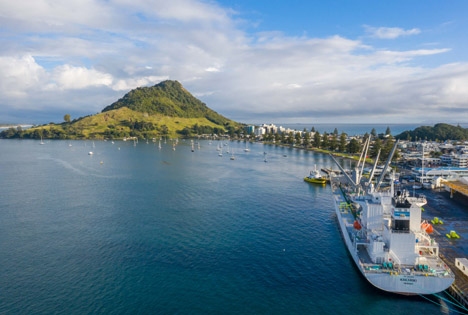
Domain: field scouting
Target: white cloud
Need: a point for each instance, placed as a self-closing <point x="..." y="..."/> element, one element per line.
<point x="212" y="69"/>
<point x="125" y="85"/>
<point x="69" y="77"/>
<point x="104" y="49"/>
<point x="390" y="32"/>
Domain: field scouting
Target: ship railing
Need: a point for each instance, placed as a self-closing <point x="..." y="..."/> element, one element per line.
<point x="406" y="270"/>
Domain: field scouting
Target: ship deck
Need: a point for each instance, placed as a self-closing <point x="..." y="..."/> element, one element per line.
<point x="435" y="266"/>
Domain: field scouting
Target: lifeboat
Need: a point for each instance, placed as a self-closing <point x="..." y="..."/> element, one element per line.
<point x="427" y="227"/>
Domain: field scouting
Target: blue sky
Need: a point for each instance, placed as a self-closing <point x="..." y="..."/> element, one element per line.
<point x="253" y="61"/>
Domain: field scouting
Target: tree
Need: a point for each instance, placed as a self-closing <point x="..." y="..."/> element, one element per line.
<point x="333" y="143"/>
<point x="312" y="129"/>
<point x="283" y="137"/>
<point x="277" y="137"/>
<point x="376" y="147"/>
<point x="164" y="130"/>
<point x="342" y="145"/>
<point x="298" y="138"/>
<point x="335" y="132"/>
<point x="67" y="118"/>
<point x="291" y="138"/>
<point x="353" y="146"/>
<point x="388" y="132"/>
<point x="388" y="146"/>
<point x="364" y="139"/>
<point x="324" y="144"/>
<point x="373" y="132"/>
<point x="317" y="139"/>
<point x="306" y="139"/>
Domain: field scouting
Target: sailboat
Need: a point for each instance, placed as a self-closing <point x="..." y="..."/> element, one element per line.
<point x="94" y="145"/>
<point x="264" y="157"/>
<point x="221" y="152"/>
<point x="69" y="144"/>
<point x="42" y="142"/>
<point x="246" y="147"/>
<point x="232" y="156"/>
<point x="198" y="145"/>
<point x="193" y="149"/>
<point x="159" y="145"/>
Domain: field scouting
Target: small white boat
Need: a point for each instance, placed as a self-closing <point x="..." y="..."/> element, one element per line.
<point x="246" y="147"/>
<point x="90" y="153"/>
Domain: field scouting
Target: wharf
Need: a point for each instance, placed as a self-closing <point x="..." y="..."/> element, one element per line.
<point x="454" y="214"/>
<point x="459" y="288"/>
<point x="456" y="186"/>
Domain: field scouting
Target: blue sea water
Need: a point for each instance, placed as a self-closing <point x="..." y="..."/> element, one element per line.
<point x="163" y="231"/>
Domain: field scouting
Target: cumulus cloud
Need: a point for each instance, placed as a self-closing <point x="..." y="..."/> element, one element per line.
<point x="391" y="32"/>
<point x="104" y="49"/>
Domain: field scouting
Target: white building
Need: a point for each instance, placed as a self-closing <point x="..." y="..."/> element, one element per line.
<point x="460" y="160"/>
<point x="429" y="173"/>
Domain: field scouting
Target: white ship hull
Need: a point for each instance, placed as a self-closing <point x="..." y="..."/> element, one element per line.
<point x="401" y="283"/>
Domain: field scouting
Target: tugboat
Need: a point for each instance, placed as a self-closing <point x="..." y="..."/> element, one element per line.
<point x="315" y="177"/>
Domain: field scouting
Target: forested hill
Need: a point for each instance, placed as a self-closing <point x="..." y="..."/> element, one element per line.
<point x="438" y="132"/>
<point x="168" y="98"/>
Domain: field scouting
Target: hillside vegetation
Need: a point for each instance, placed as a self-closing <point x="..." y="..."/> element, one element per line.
<point x="167" y="98"/>
<point x="438" y="132"/>
<point x="166" y="109"/>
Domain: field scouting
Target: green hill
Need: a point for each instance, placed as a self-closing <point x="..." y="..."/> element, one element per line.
<point x="168" y="98"/>
<point x="166" y="109"/>
<point x="438" y="132"/>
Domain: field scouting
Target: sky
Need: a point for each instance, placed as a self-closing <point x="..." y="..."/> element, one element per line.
<point x="252" y="61"/>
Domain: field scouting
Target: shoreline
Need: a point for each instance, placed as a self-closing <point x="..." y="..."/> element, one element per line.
<point x="334" y="153"/>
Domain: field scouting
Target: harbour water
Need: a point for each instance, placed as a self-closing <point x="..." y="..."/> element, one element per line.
<point x="163" y="231"/>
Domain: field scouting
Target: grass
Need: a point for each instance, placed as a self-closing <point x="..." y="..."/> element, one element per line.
<point x="96" y="125"/>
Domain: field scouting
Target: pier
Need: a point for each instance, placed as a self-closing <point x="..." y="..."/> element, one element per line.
<point x="457" y="186"/>
<point x="459" y="288"/>
<point x="454" y="215"/>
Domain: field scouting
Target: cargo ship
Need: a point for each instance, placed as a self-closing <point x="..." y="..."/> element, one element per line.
<point x="383" y="230"/>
